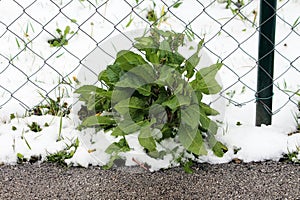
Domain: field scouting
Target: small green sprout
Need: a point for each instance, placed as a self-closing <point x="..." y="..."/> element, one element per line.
<point x="62" y="39"/>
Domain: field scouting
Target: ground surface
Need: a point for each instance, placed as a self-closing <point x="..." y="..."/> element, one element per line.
<point x="266" y="180"/>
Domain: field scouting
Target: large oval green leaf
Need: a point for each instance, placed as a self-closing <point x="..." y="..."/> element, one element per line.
<point x="192" y="140"/>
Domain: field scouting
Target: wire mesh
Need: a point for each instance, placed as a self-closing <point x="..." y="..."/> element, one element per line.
<point x="34" y="67"/>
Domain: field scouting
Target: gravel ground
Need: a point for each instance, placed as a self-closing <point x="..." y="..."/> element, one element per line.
<point x="265" y="180"/>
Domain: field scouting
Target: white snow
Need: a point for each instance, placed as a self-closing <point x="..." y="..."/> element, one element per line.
<point x="34" y="70"/>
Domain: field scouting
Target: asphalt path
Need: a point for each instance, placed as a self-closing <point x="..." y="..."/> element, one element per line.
<point x="264" y="180"/>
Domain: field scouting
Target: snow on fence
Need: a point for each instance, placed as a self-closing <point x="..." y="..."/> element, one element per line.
<point x="45" y="44"/>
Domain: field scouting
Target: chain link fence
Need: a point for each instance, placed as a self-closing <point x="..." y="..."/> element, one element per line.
<point x="44" y="44"/>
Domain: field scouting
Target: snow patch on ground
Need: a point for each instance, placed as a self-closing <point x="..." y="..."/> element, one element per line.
<point x="254" y="143"/>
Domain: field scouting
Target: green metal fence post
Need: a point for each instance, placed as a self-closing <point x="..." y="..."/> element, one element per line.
<point x="264" y="94"/>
